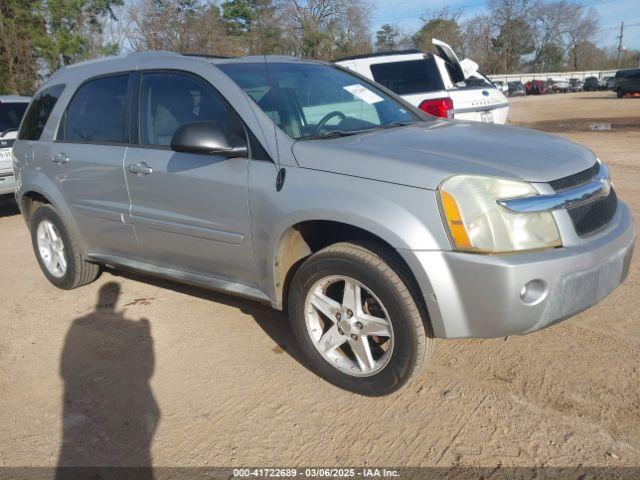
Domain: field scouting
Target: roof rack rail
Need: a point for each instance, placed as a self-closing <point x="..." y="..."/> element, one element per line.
<point x="378" y="54"/>
<point x="204" y="55"/>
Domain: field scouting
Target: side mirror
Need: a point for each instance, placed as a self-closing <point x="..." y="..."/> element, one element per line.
<point x="207" y="138"/>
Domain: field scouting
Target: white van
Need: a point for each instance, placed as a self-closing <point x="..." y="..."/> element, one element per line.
<point x="437" y="84"/>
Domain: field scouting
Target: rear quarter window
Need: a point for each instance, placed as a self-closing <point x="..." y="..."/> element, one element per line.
<point x="38" y="113"/>
<point x="412" y="76"/>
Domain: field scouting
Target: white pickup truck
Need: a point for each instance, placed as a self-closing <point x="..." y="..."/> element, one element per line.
<point x="437" y="84"/>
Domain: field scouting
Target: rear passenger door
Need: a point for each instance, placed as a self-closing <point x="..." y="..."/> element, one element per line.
<point x="87" y="163"/>
<point x="189" y="210"/>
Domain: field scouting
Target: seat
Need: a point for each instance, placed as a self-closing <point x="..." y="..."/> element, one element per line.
<point x="170" y="109"/>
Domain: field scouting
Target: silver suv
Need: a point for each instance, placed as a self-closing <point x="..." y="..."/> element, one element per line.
<point x="303" y="185"/>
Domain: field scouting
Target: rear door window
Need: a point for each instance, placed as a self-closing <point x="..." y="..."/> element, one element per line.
<point x="38" y="113"/>
<point x="413" y="76"/>
<point x="99" y="112"/>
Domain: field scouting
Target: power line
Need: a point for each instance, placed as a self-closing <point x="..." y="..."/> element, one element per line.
<point x="626" y="25"/>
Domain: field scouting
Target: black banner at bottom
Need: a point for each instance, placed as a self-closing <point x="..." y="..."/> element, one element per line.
<point x="286" y="473"/>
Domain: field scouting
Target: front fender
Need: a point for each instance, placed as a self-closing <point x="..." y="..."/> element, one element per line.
<point x="407" y="218"/>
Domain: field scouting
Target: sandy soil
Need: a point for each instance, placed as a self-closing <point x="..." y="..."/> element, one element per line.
<point x="176" y="376"/>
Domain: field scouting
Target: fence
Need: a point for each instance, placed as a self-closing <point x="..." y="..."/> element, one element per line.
<point x="525" y="77"/>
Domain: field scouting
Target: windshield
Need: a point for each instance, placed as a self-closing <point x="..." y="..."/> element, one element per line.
<point x="10" y="115"/>
<point x="312" y="100"/>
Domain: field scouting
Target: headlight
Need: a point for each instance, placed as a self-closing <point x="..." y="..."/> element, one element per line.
<point x="478" y="224"/>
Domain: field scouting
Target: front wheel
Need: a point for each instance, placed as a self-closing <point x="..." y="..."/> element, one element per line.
<point x="356" y="320"/>
<point x="620" y="93"/>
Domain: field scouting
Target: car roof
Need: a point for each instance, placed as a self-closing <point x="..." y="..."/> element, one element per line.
<point x="130" y="62"/>
<point x="625" y="71"/>
<point x="14" y="99"/>
<point x="411" y="51"/>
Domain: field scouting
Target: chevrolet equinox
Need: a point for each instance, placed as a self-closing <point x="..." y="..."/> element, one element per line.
<point x="377" y="227"/>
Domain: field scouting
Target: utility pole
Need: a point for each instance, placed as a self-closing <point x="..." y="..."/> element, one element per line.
<point x="620" y="42"/>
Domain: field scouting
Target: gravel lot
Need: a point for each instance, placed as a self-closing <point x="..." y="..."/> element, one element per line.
<point x="178" y="376"/>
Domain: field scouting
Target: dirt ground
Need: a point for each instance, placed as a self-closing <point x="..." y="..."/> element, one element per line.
<point x="177" y="376"/>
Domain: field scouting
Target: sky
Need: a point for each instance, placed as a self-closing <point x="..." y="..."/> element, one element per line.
<point x="406" y="14"/>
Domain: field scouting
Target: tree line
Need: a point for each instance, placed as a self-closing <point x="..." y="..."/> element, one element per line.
<point x="40" y="36"/>
<point x="517" y="36"/>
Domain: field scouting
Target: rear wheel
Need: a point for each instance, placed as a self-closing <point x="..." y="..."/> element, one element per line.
<point x="620" y="93"/>
<point x="57" y="252"/>
<point x="357" y="322"/>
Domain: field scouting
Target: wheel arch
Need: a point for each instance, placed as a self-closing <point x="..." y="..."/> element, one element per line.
<point x="30" y="201"/>
<point x="301" y="240"/>
<point x="44" y="192"/>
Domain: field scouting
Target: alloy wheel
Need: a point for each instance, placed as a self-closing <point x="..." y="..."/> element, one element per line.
<point x="51" y="249"/>
<point x="349" y="325"/>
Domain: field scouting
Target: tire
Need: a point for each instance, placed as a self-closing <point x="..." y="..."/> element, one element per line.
<point x="620" y="93"/>
<point x="385" y="295"/>
<point x="77" y="272"/>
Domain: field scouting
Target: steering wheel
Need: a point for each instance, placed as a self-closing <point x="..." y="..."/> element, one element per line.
<point x="326" y="118"/>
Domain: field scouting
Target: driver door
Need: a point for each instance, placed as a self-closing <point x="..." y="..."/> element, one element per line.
<point x="189" y="210"/>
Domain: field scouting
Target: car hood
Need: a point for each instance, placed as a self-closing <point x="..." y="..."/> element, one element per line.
<point x="424" y="154"/>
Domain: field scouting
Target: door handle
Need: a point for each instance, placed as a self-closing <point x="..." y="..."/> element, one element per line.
<point x="140" y="168"/>
<point x="61" y="158"/>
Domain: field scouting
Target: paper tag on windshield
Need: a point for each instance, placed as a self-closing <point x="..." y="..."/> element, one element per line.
<point x="363" y="93"/>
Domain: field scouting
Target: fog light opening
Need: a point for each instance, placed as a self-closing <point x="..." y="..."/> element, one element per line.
<point x="533" y="292"/>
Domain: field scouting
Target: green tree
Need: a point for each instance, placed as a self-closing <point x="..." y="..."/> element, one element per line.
<point x="240" y="14"/>
<point x="512" y="42"/>
<point x="255" y="22"/>
<point x="73" y="30"/>
<point x="387" y="38"/>
<point x="442" y="25"/>
<point x="20" y="24"/>
<point x="550" y="58"/>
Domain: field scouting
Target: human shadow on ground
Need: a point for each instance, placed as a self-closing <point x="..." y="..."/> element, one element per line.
<point x="109" y="413"/>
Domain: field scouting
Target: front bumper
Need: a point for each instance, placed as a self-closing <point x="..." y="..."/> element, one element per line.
<point x="471" y="295"/>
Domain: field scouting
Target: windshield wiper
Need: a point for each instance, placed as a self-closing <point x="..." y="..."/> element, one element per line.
<point x="336" y="134"/>
<point x="347" y="133"/>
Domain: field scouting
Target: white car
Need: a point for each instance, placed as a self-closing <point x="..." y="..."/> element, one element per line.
<point x="12" y="109"/>
<point x="437" y="84"/>
<point x="502" y="86"/>
<point x="559" y="84"/>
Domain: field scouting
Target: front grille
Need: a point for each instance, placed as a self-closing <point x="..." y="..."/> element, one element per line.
<point x="594" y="215"/>
<point x="575" y="179"/>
